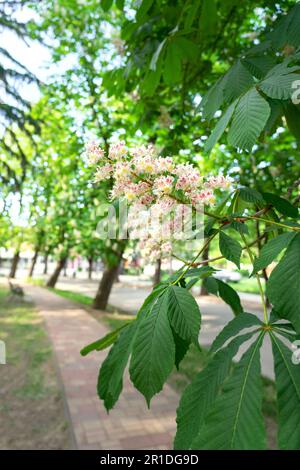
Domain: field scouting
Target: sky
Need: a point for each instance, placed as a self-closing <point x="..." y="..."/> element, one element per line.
<point x="38" y="60"/>
<point x="34" y="55"/>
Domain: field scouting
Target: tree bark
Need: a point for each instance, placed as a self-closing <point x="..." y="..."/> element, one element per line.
<point x="104" y="289"/>
<point x="205" y="255"/>
<point x="54" y="277"/>
<point x="65" y="268"/>
<point x="46" y="264"/>
<point x="14" y="264"/>
<point x="90" y="269"/>
<point x="157" y="274"/>
<point x="34" y="260"/>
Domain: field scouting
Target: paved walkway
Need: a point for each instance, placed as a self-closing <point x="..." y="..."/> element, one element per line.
<point x="215" y="313"/>
<point x="130" y="425"/>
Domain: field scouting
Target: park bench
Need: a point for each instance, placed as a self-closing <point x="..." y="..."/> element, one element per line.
<point x="16" y="289"/>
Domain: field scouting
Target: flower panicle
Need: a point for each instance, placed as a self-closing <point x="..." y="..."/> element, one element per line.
<point x="143" y="177"/>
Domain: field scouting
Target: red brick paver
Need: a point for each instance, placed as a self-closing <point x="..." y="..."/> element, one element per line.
<point x="130" y="425"/>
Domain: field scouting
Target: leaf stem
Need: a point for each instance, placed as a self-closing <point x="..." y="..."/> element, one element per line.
<point x="216" y="258"/>
<point x="261" y="291"/>
<point x="195" y="258"/>
<point x="297" y="229"/>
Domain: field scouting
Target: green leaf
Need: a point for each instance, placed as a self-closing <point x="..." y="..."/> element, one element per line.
<point x="143" y="10"/>
<point x="275" y="118"/>
<point x="234" y="327"/>
<point x="240" y="227"/>
<point x="283" y="286"/>
<point x="181" y="348"/>
<point x="249" y="119"/>
<point x="188" y="49"/>
<point x="282" y="205"/>
<point x="258" y="65"/>
<point x="184" y="313"/>
<point x="151" y="81"/>
<point x="120" y="4"/>
<point x="230" y="248"/>
<point x="110" y="380"/>
<point x="211" y="285"/>
<point x="292" y="116"/>
<point x="200" y="395"/>
<point x="293" y="33"/>
<point x="156" y="56"/>
<point x="102" y="343"/>
<point x="213" y="100"/>
<point x="106" y="4"/>
<point x="201" y="272"/>
<point x="279" y="87"/>
<point x="288" y="396"/>
<point x="271" y="250"/>
<point x="172" y="64"/>
<point x="208" y="18"/>
<point x="191" y="9"/>
<point x="235" y="420"/>
<point x="153" y="353"/>
<point x="238" y="80"/>
<point x="227" y="293"/>
<point x="230" y="296"/>
<point x="250" y="195"/>
<point x="220" y="128"/>
<point x="157" y="291"/>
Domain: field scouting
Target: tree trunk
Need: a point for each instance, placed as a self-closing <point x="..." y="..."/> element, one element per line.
<point x="104" y="289"/>
<point x="60" y="265"/>
<point x="157" y="274"/>
<point x="90" y="269"/>
<point x="46" y="264"/>
<point x="14" y="264"/>
<point x="34" y="260"/>
<point x="65" y="268"/>
<point x="205" y="255"/>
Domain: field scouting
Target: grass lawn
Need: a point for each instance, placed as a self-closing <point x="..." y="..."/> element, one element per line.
<point x="248" y="285"/>
<point x="193" y="362"/>
<point x="31" y="406"/>
<point x="113" y="318"/>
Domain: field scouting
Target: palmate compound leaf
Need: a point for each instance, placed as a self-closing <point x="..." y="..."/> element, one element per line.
<point x="200" y="395"/>
<point x="235" y="420"/>
<point x="184" y="313"/>
<point x="271" y="250"/>
<point x="153" y="353"/>
<point x="250" y="116"/>
<point x="283" y="286"/>
<point x="288" y="395"/>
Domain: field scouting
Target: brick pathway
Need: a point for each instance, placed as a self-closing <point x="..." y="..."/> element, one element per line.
<point x="130" y="425"/>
